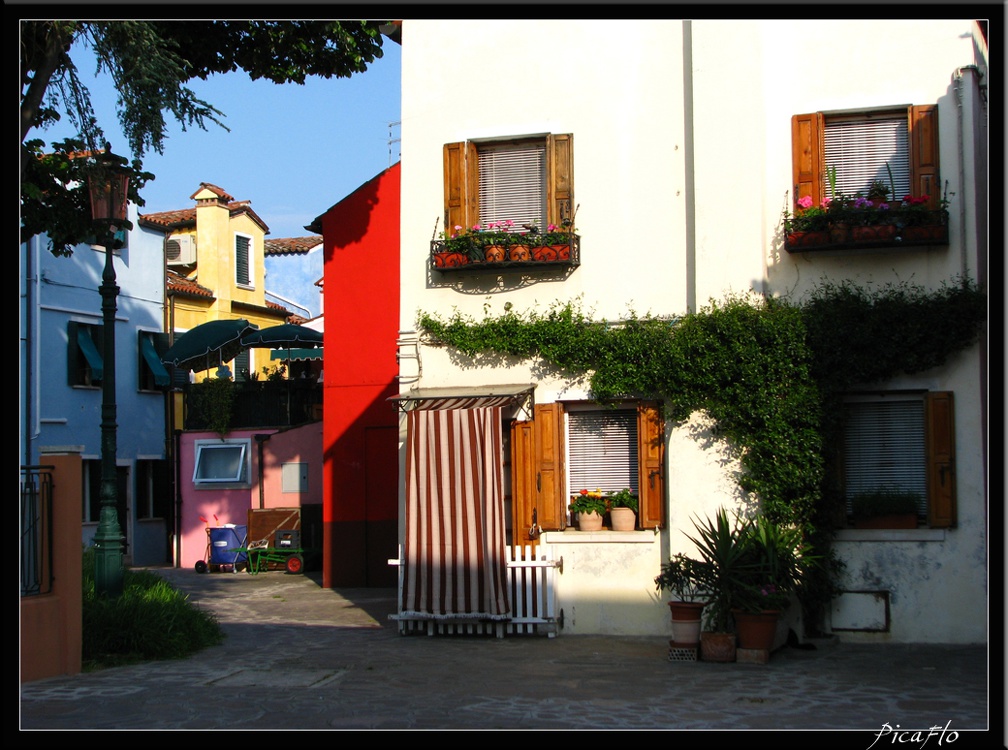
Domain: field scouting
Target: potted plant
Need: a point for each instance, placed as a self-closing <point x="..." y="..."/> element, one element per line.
<point x="681" y="577"/>
<point x="622" y="510"/>
<point x="878" y="192"/>
<point x="774" y="555"/>
<point x="588" y="508"/>
<point x="722" y="574"/>
<point x="809" y="226"/>
<point x="885" y="508"/>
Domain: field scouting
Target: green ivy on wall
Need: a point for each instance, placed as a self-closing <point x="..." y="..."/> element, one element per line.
<point x="769" y="371"/>
<point x="213" y="398"/>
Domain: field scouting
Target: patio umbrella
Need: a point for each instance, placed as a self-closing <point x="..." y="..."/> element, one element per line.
<point x="208" y="344"/>
<point x="286" y="336"/>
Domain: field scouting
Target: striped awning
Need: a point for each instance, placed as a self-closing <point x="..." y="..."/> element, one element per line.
<point x="463" y="398"/>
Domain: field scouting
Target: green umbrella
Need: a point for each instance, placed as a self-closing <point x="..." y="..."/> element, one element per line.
<point x="286" y="336"/>
<point x="208" y="344"/>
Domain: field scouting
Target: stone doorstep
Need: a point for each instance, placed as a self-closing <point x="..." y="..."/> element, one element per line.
<point x="752" y="655"/>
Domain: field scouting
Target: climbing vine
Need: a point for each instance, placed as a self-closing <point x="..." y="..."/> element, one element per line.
<point x="769" y="371"/>
<point x="212" y="400"/>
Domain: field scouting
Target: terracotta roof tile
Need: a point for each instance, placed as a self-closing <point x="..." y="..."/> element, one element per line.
<point x="186" y="217"/>
<point x="178" y="284"/>
<point x="291" y="245"/>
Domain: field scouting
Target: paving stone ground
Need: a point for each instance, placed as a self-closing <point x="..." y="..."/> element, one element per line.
<point x="300" y="657"/>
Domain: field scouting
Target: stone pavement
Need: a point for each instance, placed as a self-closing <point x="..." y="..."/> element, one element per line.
<point x="300" y="657"/>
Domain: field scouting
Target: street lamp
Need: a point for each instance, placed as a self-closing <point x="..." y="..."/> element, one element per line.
<point x="108" y="183"/>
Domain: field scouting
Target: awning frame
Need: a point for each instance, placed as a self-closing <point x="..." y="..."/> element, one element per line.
<point x="467" y="398"/>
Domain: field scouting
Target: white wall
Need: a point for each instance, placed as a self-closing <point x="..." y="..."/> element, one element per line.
<point x="681" y="178"/>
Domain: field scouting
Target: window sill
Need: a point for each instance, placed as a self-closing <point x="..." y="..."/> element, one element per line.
<point x="605" y="536"/>
<point x="891" y="535"/>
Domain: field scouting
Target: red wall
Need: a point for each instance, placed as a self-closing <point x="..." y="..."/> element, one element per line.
<point x="360" y="433"/>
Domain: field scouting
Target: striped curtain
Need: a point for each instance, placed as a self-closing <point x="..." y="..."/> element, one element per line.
<point x="455" y="537"/>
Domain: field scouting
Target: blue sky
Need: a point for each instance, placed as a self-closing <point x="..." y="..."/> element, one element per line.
<point x="292" y="150"/>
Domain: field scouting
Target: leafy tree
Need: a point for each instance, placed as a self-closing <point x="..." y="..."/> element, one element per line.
<point x="149" y="63"/>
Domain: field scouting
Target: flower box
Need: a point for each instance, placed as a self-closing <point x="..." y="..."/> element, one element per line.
<point x="473" y="257"/>
<point x="867" y="237"/>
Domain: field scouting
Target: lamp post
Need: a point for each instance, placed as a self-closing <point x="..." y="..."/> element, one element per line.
<point x="108" y="184"/>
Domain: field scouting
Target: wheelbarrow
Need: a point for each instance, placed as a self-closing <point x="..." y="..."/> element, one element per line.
<point x="286" y="551"/>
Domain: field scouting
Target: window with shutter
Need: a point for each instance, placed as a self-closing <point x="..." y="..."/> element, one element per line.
<point x="860" y="145"/>
<point x="84" y="354"/>
<point x="901" y="442"/>
<point x="571" y="447"/>
<point x="522" y="179"/>
<point x="243" y="260"/>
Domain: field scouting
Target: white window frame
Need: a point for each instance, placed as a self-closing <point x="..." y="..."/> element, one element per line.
<point x="241" y="474"/>
<point x="513" y="182"/>
<point x="250" y="284"/>
<point x="887" y="448"/>
<point x="860" y="144"/>
<point x="613" y="472"/>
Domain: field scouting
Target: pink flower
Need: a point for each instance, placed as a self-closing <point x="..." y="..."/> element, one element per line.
<point x="805" y="202"/>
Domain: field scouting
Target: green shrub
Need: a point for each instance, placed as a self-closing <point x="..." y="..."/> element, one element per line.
<point x="149" y="621"/>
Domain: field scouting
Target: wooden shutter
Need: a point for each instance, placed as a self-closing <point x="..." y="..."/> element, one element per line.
<point x="551" y="509"/>
<point x="560" y="178"/>
<point x="924" y="152"/>
<point x="523" y="483"/>
<point x="806" y="157"/>
<point x="242" y="263"/>
<point x="940" y="428"/>
<point x="651" y="453"/>
<point x="461" y="185"/>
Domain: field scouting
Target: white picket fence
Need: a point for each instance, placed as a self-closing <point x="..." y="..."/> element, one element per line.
<point x="531" y="589"/>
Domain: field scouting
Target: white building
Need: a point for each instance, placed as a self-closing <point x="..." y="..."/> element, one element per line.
<point x="672" y="141"/>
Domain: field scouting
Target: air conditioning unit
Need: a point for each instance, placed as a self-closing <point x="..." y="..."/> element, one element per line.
<point x="181" y="250"/>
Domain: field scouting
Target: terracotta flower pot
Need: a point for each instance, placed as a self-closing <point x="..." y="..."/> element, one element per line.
<point x="450" y="259"/>
<point x="756" y="629"/>
<point x="685" y="623"/>
<point x="519" y="252"/>
<point x="493" y="253"/>
<point x="589" y="521"/>
<point x="544" y="253"/>
<point x="623" y="519"/>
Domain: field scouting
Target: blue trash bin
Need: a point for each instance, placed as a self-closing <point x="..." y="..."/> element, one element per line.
<point x="224" y="544"/>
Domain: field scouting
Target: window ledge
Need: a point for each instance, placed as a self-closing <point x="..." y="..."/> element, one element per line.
<point x="891" y="535"/>
<point x="573" y="536"/>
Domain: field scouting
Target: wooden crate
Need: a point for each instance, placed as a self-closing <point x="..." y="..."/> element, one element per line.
<point x="264" y="523"/>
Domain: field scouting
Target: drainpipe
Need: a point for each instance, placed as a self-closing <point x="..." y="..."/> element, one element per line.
<point x="178" y="497"/>
<point x="962" y="167"/>
<point x="261" y="438"/>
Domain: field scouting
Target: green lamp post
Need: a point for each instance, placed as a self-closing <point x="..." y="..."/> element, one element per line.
<point x="108" y="185"/>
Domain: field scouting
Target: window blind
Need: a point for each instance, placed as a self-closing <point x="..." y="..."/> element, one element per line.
<point x="860" y="149"/>
<point x="513" y="183"/>
<point x="602" y="450"/>
<point x="884" y="446"/>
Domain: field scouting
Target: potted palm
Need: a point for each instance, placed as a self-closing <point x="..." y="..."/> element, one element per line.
<point x="622" y="510"/>
<point x="775" y="554"/>
<point x="682" y="578"/>
<point x="588" y="508"/>
<point x="723" y="571"/>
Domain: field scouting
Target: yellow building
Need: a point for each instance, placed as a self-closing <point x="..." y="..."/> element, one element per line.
<point x="216" y="271"/>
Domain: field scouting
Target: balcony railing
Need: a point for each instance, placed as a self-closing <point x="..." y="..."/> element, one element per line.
<point x="496" y="258"/>
<point x="263" y="403"/>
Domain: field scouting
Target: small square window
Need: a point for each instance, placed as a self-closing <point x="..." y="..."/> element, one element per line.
<point x="221" y="463"/>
